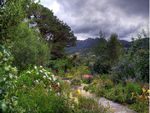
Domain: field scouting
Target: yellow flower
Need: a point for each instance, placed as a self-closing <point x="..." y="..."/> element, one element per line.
<point x="78" y="92"/>
<point x="132" y="94"/>
<point x="148" y="91"/>
<point x="144" y="90"/>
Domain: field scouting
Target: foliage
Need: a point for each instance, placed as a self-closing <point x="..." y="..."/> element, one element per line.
<point x="133" y="65"/>
<point x="140" y="106"/>
<point x="7" y="75"/>
<point x="76" y="82"/>
<point x="60" y="66"/>
<point x="114" y="48"/>
<point x="57" y="33"/>
<point x="78" y="72"/>
<point x="28" y="48"/>
<point x="102" y="66"/>
<point x="36" y="90"/>
<point x="12" y="13"/>
<point x="130" y="93"/>
<point x="108" y="53"/>
<point x="87" y="105"/>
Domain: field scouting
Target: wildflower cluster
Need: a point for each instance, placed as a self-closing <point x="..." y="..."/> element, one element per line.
<point x="144" y="96"/>
<point x="39" y="76"/>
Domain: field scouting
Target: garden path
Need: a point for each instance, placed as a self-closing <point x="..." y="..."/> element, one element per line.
<point x="112" y="106"/>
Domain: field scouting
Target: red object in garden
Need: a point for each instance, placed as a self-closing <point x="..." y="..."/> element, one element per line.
<point x="88" y="76"/>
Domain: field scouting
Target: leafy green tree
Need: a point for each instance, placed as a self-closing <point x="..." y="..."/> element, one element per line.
<point x="57" y="33"/>
<point x="101" y="47"/>
<point x="114" y="48"/>
<point x="135" y="64"/>
<point x="28" y="48"/>
<point x="12" y="12"/>
<point x="101" y="64"/>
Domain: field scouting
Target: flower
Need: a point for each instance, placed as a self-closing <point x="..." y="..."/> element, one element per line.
<point x="148" y="91"/>
<point x="28" y="72"/>
<point x="35" y="67"/>
<point x="87" y="76"/>
<point x="144" y="90"/>
<point x="44" y="77"/>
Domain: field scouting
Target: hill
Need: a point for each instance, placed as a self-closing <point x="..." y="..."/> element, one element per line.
<point x="83" y="46"/>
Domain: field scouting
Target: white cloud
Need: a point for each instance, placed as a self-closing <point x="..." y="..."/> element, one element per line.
<point x="51" y="4"/>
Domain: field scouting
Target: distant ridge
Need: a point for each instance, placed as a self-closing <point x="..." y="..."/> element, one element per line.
<point x="84" y="45"/>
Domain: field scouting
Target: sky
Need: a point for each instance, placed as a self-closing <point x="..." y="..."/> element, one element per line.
<point x="87" y="17"/>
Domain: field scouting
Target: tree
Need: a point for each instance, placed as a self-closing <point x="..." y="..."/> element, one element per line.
<point x="28" y="47"/>
<point x="57" y="33"/>
<point x="101" y="47"/>
<point x="114" y="48"/>
<point x="12" y="12"/>
<point x="101" y="64"/>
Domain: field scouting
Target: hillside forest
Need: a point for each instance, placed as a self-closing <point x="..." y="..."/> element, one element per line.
<point x="42" y="64"/>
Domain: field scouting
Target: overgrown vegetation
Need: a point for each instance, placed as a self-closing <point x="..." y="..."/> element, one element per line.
<point x="34" y="67"/>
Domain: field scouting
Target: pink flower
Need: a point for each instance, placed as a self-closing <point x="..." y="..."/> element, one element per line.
<point x="87" y="76"/>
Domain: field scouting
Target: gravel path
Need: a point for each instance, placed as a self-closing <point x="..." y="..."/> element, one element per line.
<point x="112" y="106"/>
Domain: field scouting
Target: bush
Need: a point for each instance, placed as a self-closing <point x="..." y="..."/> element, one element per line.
<point x="76" y="82"/>
<point x="89" y="106"/>
<point x="38" y="100"/>
<point x="60" y="66"/>
<point x="28" y="48"/>
<point x="78" y="72"/>
<point x="8" y="75"/>
<point x="102" y="66"/>
<point x="140" y="106"/>
<point x="133" y="65"/>
<point x="36" y="90"/>
<point x="132" y="88"/>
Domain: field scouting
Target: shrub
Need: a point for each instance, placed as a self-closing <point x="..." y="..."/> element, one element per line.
<point x="60" y="66"/>
<point x="77" y="72"/>
<point x="89" y="106"/>
<point x="28" y="48"/>
<point x="132" y="88"/>
<point x="119" y="94"/>
<point x="8" y="75"/>
<point x="102" y="66"/>
<point x="76" y="82"/>
<point x="133" y="65"/>
<point x="140" y="106"/>
<point x="36" y="90"/>
<point x="38" y="100"/>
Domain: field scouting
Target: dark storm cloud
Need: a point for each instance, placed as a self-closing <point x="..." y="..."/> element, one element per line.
<point x="134" y="7"/>
<point x="87" y="17"/>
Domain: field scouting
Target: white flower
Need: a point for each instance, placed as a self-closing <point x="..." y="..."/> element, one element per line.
<point x="58" y="84"/>
<point x="52" y="76"/>
<point x="4" y="79"/>
<point x="35" y="67"/>
<point x="36" y="81"/>
<point x="54" y="79"/>
<point x="11" y="76"/>
<point x="44" y="77"/>
<point x="49" y="78"/>
<point x="48" y="73"/>
<point x="28" y="72"/>
<point x="41" y="71"/>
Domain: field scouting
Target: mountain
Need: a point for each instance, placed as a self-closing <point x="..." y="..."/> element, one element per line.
<point x="84" y="45"/>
